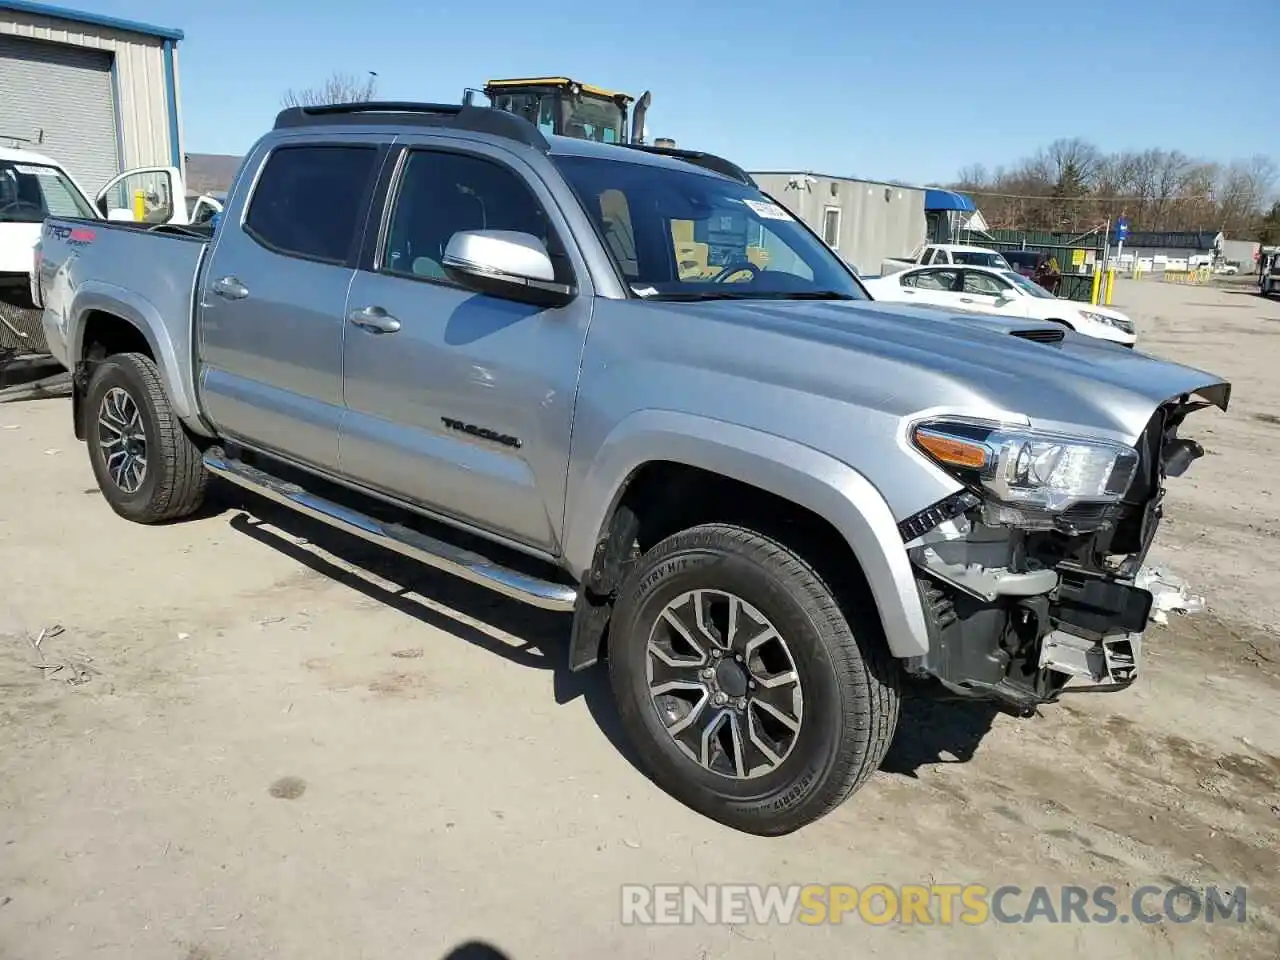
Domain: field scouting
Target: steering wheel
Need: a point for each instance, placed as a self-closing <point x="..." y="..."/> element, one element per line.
<point x="736" y="267"/>
<point x="21" y="203"/>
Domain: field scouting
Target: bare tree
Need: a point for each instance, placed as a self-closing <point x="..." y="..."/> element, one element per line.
<point x="1073" y="160"/>
<point x="1070" y="184"/>
<point x="975" y="175"/>
<point x="338" y="88"/>
<point x="1243" y="189"/>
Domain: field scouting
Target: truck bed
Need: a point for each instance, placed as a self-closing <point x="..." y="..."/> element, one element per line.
<point x="128" y="269"/>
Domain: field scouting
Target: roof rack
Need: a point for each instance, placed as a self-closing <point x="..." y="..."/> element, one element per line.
<point x="498" y="123"/>
<point x="708" y="161"/>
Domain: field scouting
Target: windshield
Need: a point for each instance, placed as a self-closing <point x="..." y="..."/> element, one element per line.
<point x="979" y="258"/>
<point x="593" y="118"/>
<point x="538" y="108"/>
<point x="29" y="192"/>
<point x="679" y="235"/>
<point x="1029" y="287"/>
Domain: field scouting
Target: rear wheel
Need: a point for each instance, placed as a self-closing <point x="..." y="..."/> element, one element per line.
<point x="145" y="463"/>
<point x="749" y="693"/>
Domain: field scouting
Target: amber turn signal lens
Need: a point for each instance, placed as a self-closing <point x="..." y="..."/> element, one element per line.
<point x="952" y="451"/>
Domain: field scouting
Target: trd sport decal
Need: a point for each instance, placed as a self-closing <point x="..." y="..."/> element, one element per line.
<point x="74" y="236"/>
<point x="484" y="433"/>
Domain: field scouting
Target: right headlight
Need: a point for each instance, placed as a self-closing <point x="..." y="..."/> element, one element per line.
<point x="1027" y="478"/>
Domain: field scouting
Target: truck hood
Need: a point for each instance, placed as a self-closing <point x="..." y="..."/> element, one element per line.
<point x="907" y="359"/>
<point x="17" y="241"/>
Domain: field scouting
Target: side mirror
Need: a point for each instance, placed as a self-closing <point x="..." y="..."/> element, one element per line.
<point x="507" y="264"/>
<point x="120" y="213"/>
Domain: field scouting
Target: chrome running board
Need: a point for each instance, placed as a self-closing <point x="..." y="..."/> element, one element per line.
<point x="480" y="570"/>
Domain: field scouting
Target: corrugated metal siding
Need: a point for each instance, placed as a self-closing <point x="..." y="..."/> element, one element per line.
<point x="62" y="94"/>
<point x="143" y="119"/>
<point x="144" y="111"/>
<point x="877" y="220"/>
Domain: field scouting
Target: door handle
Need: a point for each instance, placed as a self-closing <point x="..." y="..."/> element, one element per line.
<point x="230" y="288"/>
<point x="374" y="319"/>
<point x="966" y="300"/>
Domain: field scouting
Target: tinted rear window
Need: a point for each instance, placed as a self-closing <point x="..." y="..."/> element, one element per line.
<point x="310" y="201"/>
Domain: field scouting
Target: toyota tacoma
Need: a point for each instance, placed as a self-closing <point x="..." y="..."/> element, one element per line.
<point x="765" y="499"/>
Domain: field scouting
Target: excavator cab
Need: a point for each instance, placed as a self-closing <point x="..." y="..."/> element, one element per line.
<point x="568" y="108"/>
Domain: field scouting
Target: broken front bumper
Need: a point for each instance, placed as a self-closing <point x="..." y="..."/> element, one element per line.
<point x="1021" y="609"/>
<point x="1111" y="663"/>
<point x="1025" y="637"/>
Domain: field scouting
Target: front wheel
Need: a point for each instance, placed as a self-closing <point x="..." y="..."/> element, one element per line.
<point x="750" y="695"/>
<point x="145" y="463"/>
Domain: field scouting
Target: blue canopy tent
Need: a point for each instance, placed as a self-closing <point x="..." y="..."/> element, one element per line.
<point x="947" y="212"/>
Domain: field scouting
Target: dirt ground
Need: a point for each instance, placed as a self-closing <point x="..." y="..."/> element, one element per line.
<point x="287" y="744"/>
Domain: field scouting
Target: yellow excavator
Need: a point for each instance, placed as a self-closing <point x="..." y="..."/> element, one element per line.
<point x="569" y="108"/>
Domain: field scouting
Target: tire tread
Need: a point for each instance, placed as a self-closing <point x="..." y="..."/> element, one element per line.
<point x="182" y="480"/>
<point x="860" y="656"/>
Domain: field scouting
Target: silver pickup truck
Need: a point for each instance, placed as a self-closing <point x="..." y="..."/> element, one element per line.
<point x="621" y="381"/>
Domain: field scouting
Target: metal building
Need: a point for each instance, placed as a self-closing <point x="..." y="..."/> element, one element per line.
<point x="96" y="93"/>
<point x="864" y="221"/>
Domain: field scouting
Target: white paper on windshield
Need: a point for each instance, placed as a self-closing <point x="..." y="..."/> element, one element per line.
<point x="769" y="211"/>
<point x="32" y="171"/>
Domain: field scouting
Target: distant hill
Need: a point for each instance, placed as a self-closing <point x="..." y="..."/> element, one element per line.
<point x="210" y="172"/>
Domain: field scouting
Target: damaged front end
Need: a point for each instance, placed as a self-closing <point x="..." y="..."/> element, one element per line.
<point x="1027" y="575"/>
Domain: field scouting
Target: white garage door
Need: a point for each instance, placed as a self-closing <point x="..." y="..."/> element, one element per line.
<point x="65" y="92"/>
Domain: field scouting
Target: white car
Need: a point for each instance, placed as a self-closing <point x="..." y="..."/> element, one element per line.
<point x="992" y="290"/>
<point x="33" y="186"/>
<point x="945" y="254"/>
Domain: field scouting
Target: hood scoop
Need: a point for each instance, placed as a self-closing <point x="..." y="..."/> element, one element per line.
<point x="1040" y="336"/>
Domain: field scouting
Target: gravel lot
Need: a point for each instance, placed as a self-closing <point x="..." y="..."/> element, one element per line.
<point x="289" y="744"/>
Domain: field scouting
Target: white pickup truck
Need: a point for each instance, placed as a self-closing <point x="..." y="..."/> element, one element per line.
<point x="945" y="253"/>
<point x="34" y="187"/>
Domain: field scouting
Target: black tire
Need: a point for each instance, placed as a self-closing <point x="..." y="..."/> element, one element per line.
<point x="174" y="481"/>
<point x="849" y="681"/>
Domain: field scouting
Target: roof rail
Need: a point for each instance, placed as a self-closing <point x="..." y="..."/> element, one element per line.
<point x="708" y="161"/>
<point x="498" y="123"/>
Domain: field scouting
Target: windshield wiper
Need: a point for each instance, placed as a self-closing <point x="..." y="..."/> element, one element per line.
<point x="689" y="296"/>
<point x="692" y="296"/>
<point x="810" y="295"/>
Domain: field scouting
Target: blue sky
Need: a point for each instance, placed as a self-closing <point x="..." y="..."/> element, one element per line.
<point x="910" y="91"/>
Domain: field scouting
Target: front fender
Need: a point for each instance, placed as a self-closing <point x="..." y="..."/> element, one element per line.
<point x="831" y="489"/>
<point x="97" y="296"/>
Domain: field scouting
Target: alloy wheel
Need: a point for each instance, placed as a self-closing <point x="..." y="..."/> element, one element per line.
<point x="724" y="684"/>
<point x="123" y="439"/>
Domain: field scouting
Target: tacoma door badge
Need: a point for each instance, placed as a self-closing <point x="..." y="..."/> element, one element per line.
<point x="484" y="433"/>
